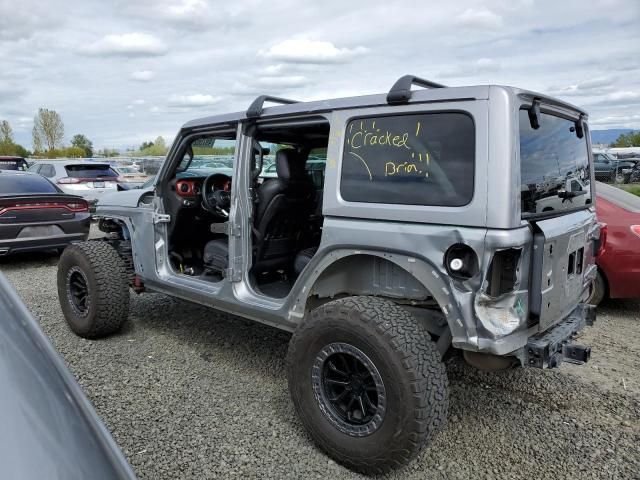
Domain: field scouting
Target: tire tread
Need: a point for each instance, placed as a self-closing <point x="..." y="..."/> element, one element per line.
<point x="419" y="358"/>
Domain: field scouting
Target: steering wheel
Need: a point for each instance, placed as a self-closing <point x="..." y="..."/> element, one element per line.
<point x="214" y="200"/>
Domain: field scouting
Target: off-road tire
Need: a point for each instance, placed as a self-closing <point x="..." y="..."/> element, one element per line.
<point x="598" y="290"/>
<point x="98" y="265"/>
<point x="408" y="362"/>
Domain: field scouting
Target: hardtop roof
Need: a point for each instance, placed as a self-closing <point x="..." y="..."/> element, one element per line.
<point x="480" y="92"/>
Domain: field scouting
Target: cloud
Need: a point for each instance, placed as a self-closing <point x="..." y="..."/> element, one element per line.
<point x="595" y="86"/>
<point x="142" y="75"/>
<point x="480" y="18"/>
<point x="310" y="51"/>
<point x="187" y="8"/>
<point x="128" y="45"/>
<point x="10" y="91"/>
<point x="19" y="21"/>
<point x="138" y="101"/>
<point x="263" y="85"/>
<point x="619" y="98"/>
<point x="470" y="69"/>
<point x="616" y="120"/>
<point x="24" y="123"/>
<point x="195" y="100"/>
<point x="235" y="50"/>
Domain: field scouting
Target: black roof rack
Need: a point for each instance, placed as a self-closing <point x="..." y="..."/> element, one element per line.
<point x="401" y="90"/>
<point x="255" y="109"/>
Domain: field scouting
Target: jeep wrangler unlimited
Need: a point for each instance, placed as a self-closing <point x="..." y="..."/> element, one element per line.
<point x="421" y="232"/>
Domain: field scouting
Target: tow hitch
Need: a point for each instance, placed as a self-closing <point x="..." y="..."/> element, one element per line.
<point x="578" y="354"/>
<point x="548" y="349"/>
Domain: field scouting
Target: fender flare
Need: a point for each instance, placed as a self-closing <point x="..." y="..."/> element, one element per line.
<point x="426" y="273"/>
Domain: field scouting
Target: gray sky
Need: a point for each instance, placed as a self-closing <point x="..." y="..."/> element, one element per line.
<point x="126" y="71"/>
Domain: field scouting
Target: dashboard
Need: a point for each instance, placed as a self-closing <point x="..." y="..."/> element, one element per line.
<point x="190" y="189"/>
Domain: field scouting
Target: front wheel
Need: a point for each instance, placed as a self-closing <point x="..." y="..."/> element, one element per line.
<point x="367" y="383"/>
<point x="93" y="289"/>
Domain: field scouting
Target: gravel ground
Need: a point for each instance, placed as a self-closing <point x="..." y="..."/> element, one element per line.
<point x="191" y="393"/>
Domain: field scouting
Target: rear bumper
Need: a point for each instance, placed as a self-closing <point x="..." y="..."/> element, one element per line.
<point x="33" y="244"/>
<point x="71" y="230"/>
<point x="549" y="348"/>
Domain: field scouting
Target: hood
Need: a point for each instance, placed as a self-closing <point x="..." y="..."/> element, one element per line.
<point x="126" y="198"/>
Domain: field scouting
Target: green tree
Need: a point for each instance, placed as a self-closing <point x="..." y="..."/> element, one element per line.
<point x="7" y="143"/>
<point x="37" y="141"/>
<point x="81" y="141"/>
<point x="6" y="132"/>
<point x="48" y="129"/>
<point x="21" y="151"/>
<point x="631" y="139"/>
<point x="152" y="149"/>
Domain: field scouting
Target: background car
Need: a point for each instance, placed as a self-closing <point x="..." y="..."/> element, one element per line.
<point x="607" y="168"/>
<point x="130" y="177"/>
<point x="36" y="215"/>
<point x="90" y="180"/>
<point x="49" y="428"/>
<point x="12" y="163"/>
<point x="619" y="264"/>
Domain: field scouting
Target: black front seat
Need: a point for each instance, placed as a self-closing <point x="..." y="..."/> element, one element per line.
<point x="283" y="206"/>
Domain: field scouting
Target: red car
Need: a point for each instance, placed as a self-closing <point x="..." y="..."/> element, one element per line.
<point x="619" y="264"/>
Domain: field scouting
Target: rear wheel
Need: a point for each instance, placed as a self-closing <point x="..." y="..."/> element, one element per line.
<point x="598" y="290"/>
<point x="367" y="382"/>
<point x="93" y="289"/>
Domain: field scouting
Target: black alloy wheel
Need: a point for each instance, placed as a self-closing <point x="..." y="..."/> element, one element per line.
<point x="78" y="291"/>
<point x="349" y="389"/>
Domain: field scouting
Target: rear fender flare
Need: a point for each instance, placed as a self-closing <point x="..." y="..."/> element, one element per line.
<point x="428" y="275"/>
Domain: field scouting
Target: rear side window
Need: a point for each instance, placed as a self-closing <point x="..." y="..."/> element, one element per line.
<point x="423" y="159"/>
<point x="90" y="171"/>
<point x="13" y="164"/>
<point x="22" y="184"/>
<point x="48" y="171"/>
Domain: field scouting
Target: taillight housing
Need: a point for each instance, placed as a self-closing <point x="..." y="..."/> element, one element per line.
<point x="601" y="244"/>
<point x="77" y="206"/>
<point x="635" y="229"/>
<point x="69" y="180"/>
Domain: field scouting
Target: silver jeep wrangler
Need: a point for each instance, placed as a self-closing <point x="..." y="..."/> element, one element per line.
<point x="399" y="227"/>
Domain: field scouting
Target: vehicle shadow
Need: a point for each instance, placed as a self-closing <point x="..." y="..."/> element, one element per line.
<point x="29" y="260"/>
<point x="619" y="305"/>
<point x="501" y="405"/>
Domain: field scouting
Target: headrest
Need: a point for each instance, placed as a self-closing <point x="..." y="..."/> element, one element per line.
<point x="290" y="165"/>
